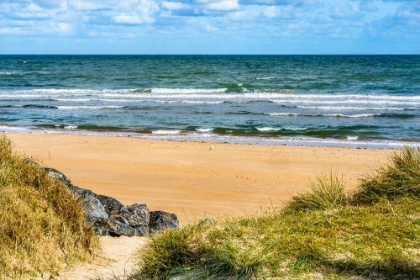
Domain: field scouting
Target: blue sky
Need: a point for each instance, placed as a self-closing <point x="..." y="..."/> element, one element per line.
<point x="209" y="27"/>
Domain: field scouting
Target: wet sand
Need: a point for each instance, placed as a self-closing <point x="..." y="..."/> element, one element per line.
<point x="189" y="178"/>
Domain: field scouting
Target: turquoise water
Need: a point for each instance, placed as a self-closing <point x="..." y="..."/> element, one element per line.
<point x="294" y="100"/>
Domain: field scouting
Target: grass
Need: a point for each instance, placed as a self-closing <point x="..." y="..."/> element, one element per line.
<point x="42" y="224"/>
<point x="399" y="178"/>
<point x="328" y="191"/>
<point x="323" y="234"/>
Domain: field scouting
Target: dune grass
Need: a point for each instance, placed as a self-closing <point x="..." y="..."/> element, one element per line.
<point x="399" y="178"/>
<point x="42" y="224"/>
<point x="327" y="191"/>
<point x="323" y="234"/>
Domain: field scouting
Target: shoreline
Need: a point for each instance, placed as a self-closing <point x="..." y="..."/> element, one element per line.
<point x="190" y="179"/>
<point x="181" y="136"/>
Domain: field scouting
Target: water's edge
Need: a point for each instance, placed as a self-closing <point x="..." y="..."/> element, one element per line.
<point x="237" y="140"/>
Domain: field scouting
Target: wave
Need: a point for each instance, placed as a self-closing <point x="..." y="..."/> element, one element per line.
<point x="351" y="108"/>
<point x="283" y="114"/>
<point x="385" y="115"/>
<point x="79" y="100"/>
<point x="89" y="107"/>
<point x="30" y="106"/>
<point x="265" y="78"/>
<point x="267" y="129"/>
<point x="39" y="106"/>
<point x="215" y="94"/>
<point x="177" y="90"/>
<point x="201" y="102"/>
<point x="204" y="129"/>
<point x="166" y="132"/>
<point x="369" y="103"/>
<point x="7" y="73"/>
<point x="186" y="90"/>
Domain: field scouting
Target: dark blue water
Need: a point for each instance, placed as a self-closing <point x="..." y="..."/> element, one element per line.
<point x="310" y="100"/>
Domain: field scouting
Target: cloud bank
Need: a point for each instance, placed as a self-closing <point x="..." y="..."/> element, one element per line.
<point x="210" y="26"/>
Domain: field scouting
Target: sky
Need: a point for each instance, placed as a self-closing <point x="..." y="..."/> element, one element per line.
<point x="209" y="27"/>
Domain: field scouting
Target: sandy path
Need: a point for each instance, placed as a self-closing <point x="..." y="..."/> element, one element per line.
<point x="188" y="178"/>
<point x="118" y="259"/>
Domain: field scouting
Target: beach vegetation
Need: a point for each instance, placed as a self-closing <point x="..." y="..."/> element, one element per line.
<point x="42" y="225"/>
<point x="399" y="178"/>
<point x="326" y="233"/>
<point x="326" y="192"/>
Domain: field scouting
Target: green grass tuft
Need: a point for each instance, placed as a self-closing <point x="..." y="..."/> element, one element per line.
<point x="326" y="192"/>
<point x="42" y="225"/>
<point x="397" y="179"/>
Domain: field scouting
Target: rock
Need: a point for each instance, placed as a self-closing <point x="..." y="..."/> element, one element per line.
<point x="135" y="215"/>
<point x="94" y="209"/>
<point x="142" y="231"/>
<point x="160" y="220"/>
<point x="55" y="174"/>
<point x="205" y="222"/>
<point x="111" y="205"/>
<point x="83" y="193"/>
<point x="112" y="227"/>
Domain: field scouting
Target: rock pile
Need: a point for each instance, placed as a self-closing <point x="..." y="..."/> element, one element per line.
<point x="109" y="217"/>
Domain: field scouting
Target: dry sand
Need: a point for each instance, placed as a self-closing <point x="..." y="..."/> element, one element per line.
<point x="189" y="178"/>
<point x="117" y="260"/>
<point x="186" y="178"/>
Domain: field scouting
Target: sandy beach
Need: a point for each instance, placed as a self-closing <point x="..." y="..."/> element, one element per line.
<point x="189" y="178"/>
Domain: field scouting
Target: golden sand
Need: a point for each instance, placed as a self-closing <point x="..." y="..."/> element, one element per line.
<point x="189" y="178"/>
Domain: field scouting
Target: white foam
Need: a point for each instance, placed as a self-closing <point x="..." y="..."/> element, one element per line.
<point x="350" y="108"/>
<point x="165" y="101"/>
<point x="267" y="129"/>
<point x="283" y="114"/>
<point x="352" y="138"/>
<point x="88" y="107"/>
<point x="166" y="132"/>
<point x="63" y="91"/>
<point x="71" y="127"/>
<point x="294" y="128"/>
<point x="350" y="116"/>
<point x="280" y="94"/>
<point x="204" y="129"/>
<point x="324" y="115"/>
<point x="187" y="90"/>
<point x="6" y="73"/>
<point x="12" y="128"/>
<point x="75" y="99"/>
<point x="265" y="78"/>
<point x="201" y="102"/>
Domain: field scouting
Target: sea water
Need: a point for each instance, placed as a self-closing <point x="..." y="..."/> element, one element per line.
<point x="340" y="100"/>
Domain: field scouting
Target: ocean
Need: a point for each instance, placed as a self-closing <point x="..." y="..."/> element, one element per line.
<point x="338" y="100"/>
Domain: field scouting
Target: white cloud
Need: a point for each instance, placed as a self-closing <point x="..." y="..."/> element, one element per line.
<point x="281" y="12"/>
<point x="138" y="12"/>
<point x="49" y="3"/>
<point x="210" y="28"/>
<point x="128" y="18"/>
<point x="80" y="5"/>
<point x="354" y="6"/>
<point x="239" y="16"/>
<point x="226" y="5"/>
<point x="271" y="12"/>
<point x="174" y="5"/>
